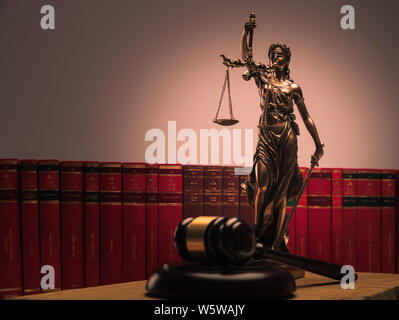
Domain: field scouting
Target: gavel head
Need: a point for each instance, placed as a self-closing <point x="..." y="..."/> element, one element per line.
<point x="215" y="240"/>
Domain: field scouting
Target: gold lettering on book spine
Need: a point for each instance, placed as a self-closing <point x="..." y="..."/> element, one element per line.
<point x="10" y="289"/>
<point x="2" y="162"/>
<point x="168" y="167"/>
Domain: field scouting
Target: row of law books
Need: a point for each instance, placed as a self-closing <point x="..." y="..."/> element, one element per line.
<point x="348" y="217"/>
<point x="98" y="223"/>
<point x="75" y="224"/>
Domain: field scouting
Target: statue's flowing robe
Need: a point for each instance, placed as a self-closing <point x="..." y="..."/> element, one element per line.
<point x="277" y="149"/>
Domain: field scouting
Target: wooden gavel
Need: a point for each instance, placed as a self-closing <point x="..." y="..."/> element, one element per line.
<point x="231" y="241"/>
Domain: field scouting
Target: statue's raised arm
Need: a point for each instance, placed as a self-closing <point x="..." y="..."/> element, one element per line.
<point x="247" y="38"/>
<point x="246" y="48"/>
<point x="257" y="71"/>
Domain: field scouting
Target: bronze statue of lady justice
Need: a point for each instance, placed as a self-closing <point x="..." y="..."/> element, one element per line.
<point x="275" y="175"/>
<point x="236" y="260"/>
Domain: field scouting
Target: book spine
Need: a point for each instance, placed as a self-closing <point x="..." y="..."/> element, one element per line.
<point x="110" y="223"/>
<point x="349" y="217"/>
<point x="92" y="224"/>
<point x="30" y="227"/>
<point x="72" y="229"/>
<point x="369" y="220"/>
<point x="319" y="214"/>
<point x="193" y="191"/>
<point x="301" y="221"/>
<point x="170" y="210"/>
<point x="10" y="254"/>
<point x="49" y="217"/>
<point x="246" y="213"/>
<point x="230" y="194"/>
<point x="134" y="221"/>
<point x="336" y="212"/>
<point x="212" y="191"/>
<point x="152" y="218"/>
<point x="397" y="221"/>
<point x="388" y="221"/>
<point x="291" y="226"/>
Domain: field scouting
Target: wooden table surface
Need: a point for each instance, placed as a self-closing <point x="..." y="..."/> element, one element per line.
<point x="311" y="287"/>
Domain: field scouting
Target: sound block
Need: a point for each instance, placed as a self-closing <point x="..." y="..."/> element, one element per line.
<point x="297" y="273"/>
<point x="258" y="279"/>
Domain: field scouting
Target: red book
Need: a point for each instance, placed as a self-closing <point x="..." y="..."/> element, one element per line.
<point x="291" y="226"/>
<point x="349" y="217"/>
<point x="230" y="194"/>
<point x="30" y="227"/>
<point x="92" y="224"/>
<point x="369" y="220"/>
<point x="72" y="230"/>
<point x="212" y="190"/>
<point x="49" y="208"/>
<point x="152" y="218"/>
<point x="170" y="210"/>
<point x="10" y="253"/>
<point x="134" y="221"/>
<point x="397" y="221"/>
<point x="388" y="221"/>
<point x="319" y="215"/>
<point x="336" y="212"/>
<point x="193" y="188"/>
<point x="110" y="223"/>
<point x="301" y="221"/>
<point x="247" y="213"/>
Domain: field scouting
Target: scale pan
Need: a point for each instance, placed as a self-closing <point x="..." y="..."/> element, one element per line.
<point x="225" y="122"/>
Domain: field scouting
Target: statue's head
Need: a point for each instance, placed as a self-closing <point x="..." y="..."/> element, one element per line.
<point x="280" y="56"/>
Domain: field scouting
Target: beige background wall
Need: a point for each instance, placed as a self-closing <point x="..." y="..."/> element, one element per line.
<point x="112" y="70"/>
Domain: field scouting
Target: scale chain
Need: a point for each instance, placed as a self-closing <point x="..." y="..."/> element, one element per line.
<point x="228" y="89"/>
<point x="226" y="82"/>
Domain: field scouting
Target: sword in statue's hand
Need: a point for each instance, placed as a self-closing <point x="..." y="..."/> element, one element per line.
<point x="277" y="242"/>
<point x="314" y="163"/>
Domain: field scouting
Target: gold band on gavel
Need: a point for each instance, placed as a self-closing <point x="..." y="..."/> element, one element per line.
<point x="195" y="237"/>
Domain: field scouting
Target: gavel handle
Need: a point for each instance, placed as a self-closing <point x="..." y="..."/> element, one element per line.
<point x="323" y="268"/>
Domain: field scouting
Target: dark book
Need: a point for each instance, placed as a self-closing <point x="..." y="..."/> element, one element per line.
<point x="92" y="223"/>
<point x="230" y="192"/>
<point x="10" y="253"/>
<point x="134" y="221"/>
<point x="49" y="217"/>
<point x="397" y="221"/>
<point x="30" y="226"/>
<point x="170" y="188"/>
<point x="212" y="191"/>
<point x="368" y="220"/>
<point x="110" y="223"/>
<point x="152" y="218"/>
<point x="349" y="217"/>
<point x="388" y="221"/>
<point x="336" y="216"/>
<point x="72" y="229"/>
<point x="319" y="214"/>
<point x="193" y="191"/>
